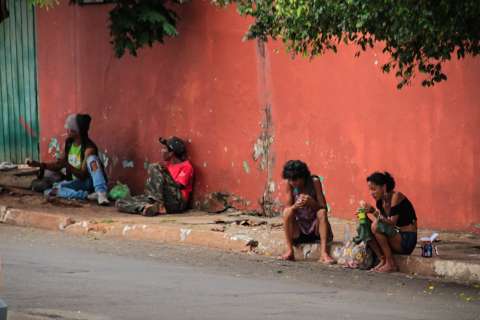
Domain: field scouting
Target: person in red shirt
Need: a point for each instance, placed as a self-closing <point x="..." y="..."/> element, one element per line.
<point x="168" y="187"/>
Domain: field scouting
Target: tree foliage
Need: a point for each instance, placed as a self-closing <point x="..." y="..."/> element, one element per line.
<point x="44" y="3"/>
<point x="418" y="36"/>
<point x="135" y="24"/>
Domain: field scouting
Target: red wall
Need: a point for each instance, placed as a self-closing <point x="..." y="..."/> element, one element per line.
<point x="340" y="114"/>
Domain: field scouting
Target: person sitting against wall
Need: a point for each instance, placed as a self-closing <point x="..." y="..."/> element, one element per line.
<point x="168" y="187"/>
<point x="305" y="217"/>
<point x="81" y="166"/>
<point x="394" y="221"/>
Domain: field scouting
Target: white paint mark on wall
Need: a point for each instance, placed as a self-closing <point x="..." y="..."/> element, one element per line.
<point x="54" y="148"/>
<point x="184" y="233"/>
<point x="352" y="199"/>
<point x="271" y="186"/>
<point x="104" y="158"/>
<point x="205" y="164"/>
<point x="246" y="167"/>
<point x="128" y="164"/>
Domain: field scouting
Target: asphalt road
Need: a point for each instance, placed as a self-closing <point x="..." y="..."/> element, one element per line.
<point x="50" y="275"/>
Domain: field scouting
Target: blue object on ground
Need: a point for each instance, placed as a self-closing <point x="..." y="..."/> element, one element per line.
<point x="3" y="310"/>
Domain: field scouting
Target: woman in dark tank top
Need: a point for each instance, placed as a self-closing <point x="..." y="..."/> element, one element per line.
<point x="394" y="221"/>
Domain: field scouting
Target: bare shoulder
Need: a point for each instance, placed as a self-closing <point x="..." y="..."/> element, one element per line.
<point x="316" y="180"/>
<point x="397" y="197"/>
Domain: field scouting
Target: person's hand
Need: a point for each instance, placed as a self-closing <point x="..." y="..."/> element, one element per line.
<point x="303" y="200"/>
<point x="299" y="203"/>
<point x="33" y="163"/>
<point x="366" y="206"/>
<point x="308" y="200"/>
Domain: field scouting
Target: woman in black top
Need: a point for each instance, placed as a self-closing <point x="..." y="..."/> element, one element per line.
<point x="394" y="221"/>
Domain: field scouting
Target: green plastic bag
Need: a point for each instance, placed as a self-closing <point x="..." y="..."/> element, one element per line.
<point x="119" y="191"/>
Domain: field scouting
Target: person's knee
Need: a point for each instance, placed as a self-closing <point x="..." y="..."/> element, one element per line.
<point x="374" y="227"/>
<point x="288" y="213"/>
<point x="92" y="162"/>
<point x="322" y="215"/>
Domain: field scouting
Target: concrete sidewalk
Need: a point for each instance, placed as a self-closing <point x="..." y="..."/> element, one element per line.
<point x="459" y="258"/>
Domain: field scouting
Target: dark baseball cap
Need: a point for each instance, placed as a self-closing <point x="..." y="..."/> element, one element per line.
<point x="174" y="144"/>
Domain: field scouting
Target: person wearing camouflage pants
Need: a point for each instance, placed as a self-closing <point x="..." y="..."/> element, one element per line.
<point x="159" y="189"/>
<point x="168" y="188"/>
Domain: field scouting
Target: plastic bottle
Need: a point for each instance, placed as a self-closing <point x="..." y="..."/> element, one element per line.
<point x="362" y="215"/>
<point x="346" y="234"/>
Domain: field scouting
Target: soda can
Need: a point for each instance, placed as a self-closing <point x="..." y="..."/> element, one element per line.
<point x="427" y="250"/>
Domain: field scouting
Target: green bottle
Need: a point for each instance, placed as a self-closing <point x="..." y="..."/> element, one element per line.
<point x="362" y="215"/>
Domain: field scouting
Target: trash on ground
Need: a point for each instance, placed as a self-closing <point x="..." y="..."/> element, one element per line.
<point x="218" y="229"/>
<point x="119" y="191"/>
<point x="7" y="166"/>
<point x="432" y="238"/>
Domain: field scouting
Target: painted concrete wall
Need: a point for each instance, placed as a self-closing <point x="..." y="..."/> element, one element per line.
<point x="247" y="109"/>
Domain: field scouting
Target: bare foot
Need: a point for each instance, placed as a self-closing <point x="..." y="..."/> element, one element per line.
<point x="150" y="210"/>
<point x="389" y="266"/>
<point x="155" y="209"/>
<point x="287" y="256"/>
<point x="326" y="259"/>
<point x="161" y="209"/>
<point x="350" y="265"/>
<point x="379" y="265"/>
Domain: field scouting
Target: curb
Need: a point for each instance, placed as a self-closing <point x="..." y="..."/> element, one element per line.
<point x="3" y="310"/>
<point x="237" y="239"/>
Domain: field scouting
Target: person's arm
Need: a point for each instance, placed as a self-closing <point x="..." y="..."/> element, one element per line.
<point x="81" y="173"/>
<point x="52" y="166"/>
<point x="315" y="204"/>
<point x="289" y="195"/>
<point x="372" y="212"/>
<point x="392" y="214"/>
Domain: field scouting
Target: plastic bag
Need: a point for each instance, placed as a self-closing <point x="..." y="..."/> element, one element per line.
<point x="355" y="256"/>
<point x="119" y="191"/>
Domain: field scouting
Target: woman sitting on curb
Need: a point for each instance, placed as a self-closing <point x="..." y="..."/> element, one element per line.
<point x="168" y="187"/>
<point x="85" y="177"/>
<point x="305" y="217"/>
<point x="394" y="221"/>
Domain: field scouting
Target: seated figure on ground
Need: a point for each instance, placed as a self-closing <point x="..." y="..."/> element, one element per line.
<point x="168" y="187"/>
<point x="81" y="171"/>
<point x="394" y="221"/>
<point x="305" y="216"/>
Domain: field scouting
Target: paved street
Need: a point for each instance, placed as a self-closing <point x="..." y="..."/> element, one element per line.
<point x="50" y="275"/>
